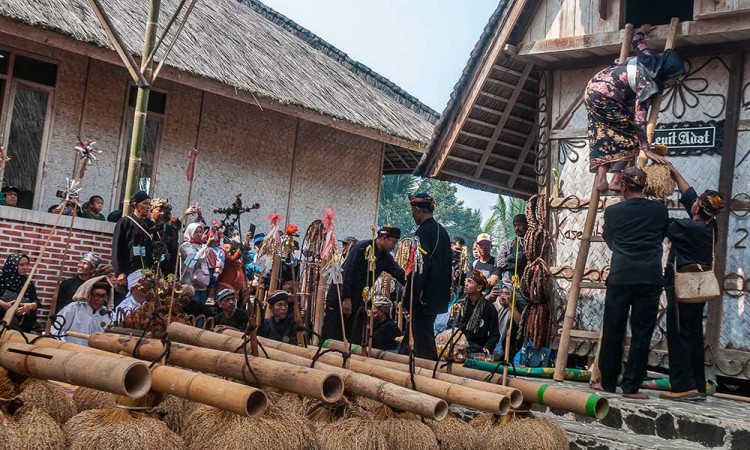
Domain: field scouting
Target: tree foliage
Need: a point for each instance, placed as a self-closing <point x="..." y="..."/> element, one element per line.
<point x="500" y="223"/>
<point x="394" y="207"/>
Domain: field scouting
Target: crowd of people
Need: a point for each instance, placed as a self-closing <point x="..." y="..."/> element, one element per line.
<point x="446" y="291"/>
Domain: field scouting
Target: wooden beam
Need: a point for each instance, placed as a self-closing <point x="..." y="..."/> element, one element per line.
<point x="569" y="133"/>
<point x="513" y="86"/>
<point x="512" y="71"/>
<point x="522" y="158"/>
<point x="726" y="185"/>
<point x="53" y="39"/>
<point x="612" y="40"/>
<point x="506" y="101"/>
<point x="495" y="187"/>
<point x="474" y="86"/>
<point x="563" y="120"/>
<point x="503" y="119"/>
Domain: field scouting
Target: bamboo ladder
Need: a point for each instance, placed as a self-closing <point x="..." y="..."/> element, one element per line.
<point x="588" y="228"/>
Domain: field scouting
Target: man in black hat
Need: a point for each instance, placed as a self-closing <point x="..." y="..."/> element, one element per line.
<point x="634" y="230"/>
<point x="280" y="326"/>
<point x="432" y="287"/>
<point x="132" y="248"/>
<point x="356" y="276"/>
<point x="11" y="195"/>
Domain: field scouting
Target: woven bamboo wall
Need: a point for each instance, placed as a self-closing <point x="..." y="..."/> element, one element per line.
<point x="702" y="96"/>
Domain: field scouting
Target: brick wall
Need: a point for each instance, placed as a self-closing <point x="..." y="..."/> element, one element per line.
<point x="26" y="231"/>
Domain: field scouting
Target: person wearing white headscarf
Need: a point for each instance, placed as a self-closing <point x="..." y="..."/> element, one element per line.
<point x="194" y="268"/>
<point x="135" y="298"/>
<point x="88" y="312"/>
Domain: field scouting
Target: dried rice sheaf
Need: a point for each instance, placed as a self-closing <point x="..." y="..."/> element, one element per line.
<point x="407" y="432"/>
<point x="49" y="397"/>
<point x="38" y="430"/>
<point x="208" y="428"/>
<point x="659" y="182"/>
<point x="455" y="434"/>
<point x="87" y="398"/>
<point x="10" y="438"/>
<point x="356" y="433"/>
<point x="171" y="409"/>
<point x="8" y="388"/>
<point x="119" y="429"/>
<point x="521" y="434"/>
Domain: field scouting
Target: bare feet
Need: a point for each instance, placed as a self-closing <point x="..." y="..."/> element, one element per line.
<point x="596" y="386"/>
<point x="636" y="396"/>
<point x="601" y="183"/>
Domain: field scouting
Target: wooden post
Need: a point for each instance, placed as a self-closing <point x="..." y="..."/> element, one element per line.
<point x="141" y="109"/>
<point x="273" y="284"/>
<point x="320" y="302"/>
<point x="726" y="186"/>
<point x="656" y="103"/>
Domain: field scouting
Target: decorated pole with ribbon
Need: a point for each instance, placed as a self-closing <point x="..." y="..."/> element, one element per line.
<point x="190" y="173"/>
<point x="269" y="259"/>
<point x="288" y="249"/>
<point x="330" y="260"/>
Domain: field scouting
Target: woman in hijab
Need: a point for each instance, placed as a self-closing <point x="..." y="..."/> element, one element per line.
<point x="617" y="100"/>
<point x="14" y="274"/>
<point x="194" y="268"/>
<point x="693" y="240"/>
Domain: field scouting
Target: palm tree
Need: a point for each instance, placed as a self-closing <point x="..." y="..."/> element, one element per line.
<point x="500" y="223"/>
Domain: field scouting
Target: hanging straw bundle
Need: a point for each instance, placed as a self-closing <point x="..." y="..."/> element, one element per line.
<point x="454" y="434"/>
<point x="118" y="429"/>
<point x="520" y="433"/>
<point x="659" y="181"/>
<point x="48" y="397"/>
<point x="38" y="430"/>
<point x="209" y="428"/>
<point x="87" y="398"/>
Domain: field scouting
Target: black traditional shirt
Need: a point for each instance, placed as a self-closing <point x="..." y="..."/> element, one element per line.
<point x="432" y="288"/>
<point x="284" y="331"/>
<point x="489" y="330"/>
<point x="131" y="245"/>
<point x="384" y="335"/>
<point x="692" y="240"/>
<point x="238" y="319"/>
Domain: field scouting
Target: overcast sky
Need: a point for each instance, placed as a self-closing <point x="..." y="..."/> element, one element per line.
<point x="421" y="45"/>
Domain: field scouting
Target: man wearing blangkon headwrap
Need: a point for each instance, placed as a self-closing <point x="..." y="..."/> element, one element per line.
<point x="634" y="230"/>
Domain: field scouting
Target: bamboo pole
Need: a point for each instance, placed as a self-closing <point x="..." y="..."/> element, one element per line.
<point x="320" y="301"/>
<point x="273" y="283"/>
<point x="591" y="405"/>
<point x="656" y="103"/>
<point x="305" y="381"/>
<point x="141" y="108"/>
<point x="222" y="394"/>
<point x="355" y="383"/>
<point x="596" y="374"/>
<point x="128" y="377"/>
<point x="515" y="396"/>
<point x="453" y="393"/>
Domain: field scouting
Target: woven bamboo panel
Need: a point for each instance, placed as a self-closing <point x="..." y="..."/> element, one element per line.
<point x="745" y="112"/>
<point x="590" y="308"/>
<point x="701" y="95"/>
<point x="569" y="88"/>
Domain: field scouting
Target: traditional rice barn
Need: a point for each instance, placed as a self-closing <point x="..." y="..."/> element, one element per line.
<point x="516" y="125"/>
<point x="277" y="114"/>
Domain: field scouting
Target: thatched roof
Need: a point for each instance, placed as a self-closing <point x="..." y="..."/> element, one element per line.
<point x="486" y="137"/>
<point x="247" y="45"/>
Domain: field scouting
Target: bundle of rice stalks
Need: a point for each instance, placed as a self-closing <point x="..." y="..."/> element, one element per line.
<point x="318" y="411"/>
<point x="356" y="433"/>
<point x="149" y="400"/>
<point x="49" y="397"/>
<point x="289" y="403"/>
<point x="10" y="439"/>
<point x="171" y="409"/>
<point x="118" y="429"/>
<point x="522" y="434"/>
<point x="208" y="428"/>
<point x="407" y="432"/>
<point x="8" y="388"/>
<point x="37" y="430"/>
<point x="87" y="398"/>
<point x="454" y="434"/>
<point x="659" y="182"/>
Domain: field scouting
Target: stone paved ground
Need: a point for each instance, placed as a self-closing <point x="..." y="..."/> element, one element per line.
<point x="656" y="423"/>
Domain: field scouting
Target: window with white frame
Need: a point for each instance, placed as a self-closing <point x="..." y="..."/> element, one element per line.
<point x="27" y="88"/>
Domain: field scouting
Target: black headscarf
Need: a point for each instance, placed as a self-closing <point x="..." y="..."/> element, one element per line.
<point x="10" y="280"/>
<point x="659" y="69"/>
